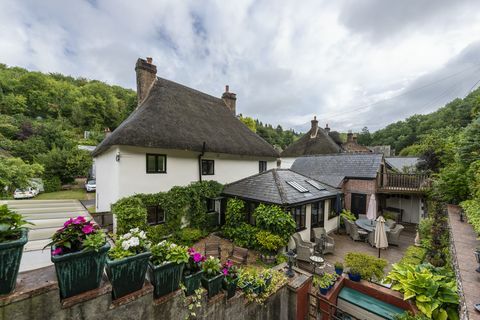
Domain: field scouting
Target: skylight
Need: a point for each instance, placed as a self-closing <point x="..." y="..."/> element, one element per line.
<point x="316" y="185"/>
<point x="297" y="186"/>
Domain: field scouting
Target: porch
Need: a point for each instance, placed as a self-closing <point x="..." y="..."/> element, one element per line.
<point x="403" y="183"/>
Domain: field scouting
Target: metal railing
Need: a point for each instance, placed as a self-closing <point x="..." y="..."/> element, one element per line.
<point x="320" y="308"/>
<point x="403" y="182"/>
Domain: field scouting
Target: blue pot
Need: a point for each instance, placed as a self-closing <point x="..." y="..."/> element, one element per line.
<point x="324" y="291"/>
<point x="354" y="277"/>
<point x="339" y="271"/>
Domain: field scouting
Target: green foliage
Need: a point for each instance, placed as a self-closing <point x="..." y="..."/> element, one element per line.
<point x="276" y="136"/>
<point x="413" y="255"/>
<point x="347" y="214"/>
<point x="249" y="122"/>
<point x="368" y="266"/>
<point x="407" y="315"/>
<point x="338" y="265"/>
<point x="434" y="290"/>
<point x="472" y="211"/>
<point x="425" y="232"/>
<point x="130" y="213"/>
<point x="269" y="242"/>
<point x="244" y="235"/>
<point x="167" y="251"/>
<point x="129" y="244"/>
<point x="94" y="241"/>
<point x="451" y="184"/>
<point x="197" y="193"/>
<point x="469" y="144"/>
<point x="188" y="236"/>
<point x="10" y="224"/>
<point x="158" y="233"/>
<point x="211" y="267"/>
<point x="14" y="173"/>
<point x="325" y="280"/>
<point x="52" y="184"/>
<point x="235" y="212"/>
<point x="274" y="219"/>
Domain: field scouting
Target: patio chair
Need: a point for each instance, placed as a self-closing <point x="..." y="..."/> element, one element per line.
<point x="347" y="225"/>
<point x="393" y="235"/>
<point x="239" y="255"/>
<point x="213" y="249"/>
<point x="371" y="238"/>
<point x="304" y="249"/>
<point x="354" y="231"/>
<point x="390" y="223"/>
<point x="328" y="242"/>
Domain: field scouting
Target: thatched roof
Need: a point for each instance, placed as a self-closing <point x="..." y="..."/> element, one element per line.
<point x="315" y="141"/>
<point x="174" y="116"/>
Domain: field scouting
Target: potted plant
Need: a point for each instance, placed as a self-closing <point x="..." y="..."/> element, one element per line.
<point x="230" y="280"/>
<point x="322" y="282"/>
<point x="267" y="276"/>
<point x="258" y="283"/>
<point x="12" y="239"/>
<point x="244" y="283"/>
<point x="166" y="267"/>
<point x="269" y="245"/>
<point x="339" y="268"/>
<point x="192" y="274"/>
<point x="212" y="277"/>
<point x="127" y="262"/>
<point x="354" y="274"/>
<point x="78" y="251"/>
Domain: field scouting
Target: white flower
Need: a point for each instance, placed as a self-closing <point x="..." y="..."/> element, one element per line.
<point x="126" y="236"/>
<point x="125" y="245"/>
<point x="173" y="245"/>
<point x="162" y="243"/>
<point x="142" y="235"/>
<point x="134" y="241"/>
<point x="134" y="230"/>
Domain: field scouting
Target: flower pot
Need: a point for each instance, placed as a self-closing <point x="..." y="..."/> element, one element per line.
<point x="268" y="281"/>
<point x="324" y="291"/>
<point x="246" y="287"/>
<point x="213" y="285"/>
<point x="10" y="257"/>
<point x="81" y="271"/>
<point x="230" y="287"/>
<point x="269" y="258"/>
<point x="192" y="282"/>
<point x="354" y="277"/>
<point x="339" y="271"/>
<point x="257" y="290"/>
<point x="128" y="274"/>
<point x="165" y="278"/>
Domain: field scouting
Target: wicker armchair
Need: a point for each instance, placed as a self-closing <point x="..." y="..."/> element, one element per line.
<point x="354" y="231"/>
<point x="393" y="235"/>
<point x="347" y="225"/>
<point x="390" y="223"/>
<point x="304" y="249"/>
<point x="328" y="242"/>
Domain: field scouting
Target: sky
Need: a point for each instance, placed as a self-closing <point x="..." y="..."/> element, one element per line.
<point x="351" y="63"/>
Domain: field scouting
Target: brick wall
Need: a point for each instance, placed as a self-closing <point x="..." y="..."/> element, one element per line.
<point x="358" y="186"/>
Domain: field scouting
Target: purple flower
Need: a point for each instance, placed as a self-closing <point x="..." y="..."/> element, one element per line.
<point x="79" y="220"/>
<point x="68" y="222"/>
<point x="225" y="271"/>
<point x="197" y="257"/>
<point x="87" y="229"/>
<point x="57" y="251"/>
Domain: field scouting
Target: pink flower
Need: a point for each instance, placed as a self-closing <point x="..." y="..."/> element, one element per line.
<point x="57" y="251"/>
<point x="87" y="229"/>
<point x="79" y="220"/>
<point x="197" y="257"/>
<point x="68" y="222"/>
<point x="225" y="271"/>
<point x="229" y="263"/>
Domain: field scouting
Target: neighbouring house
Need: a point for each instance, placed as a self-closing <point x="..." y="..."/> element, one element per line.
<point x="402" y="164"/>
<point x="316" y="141"/>
<point x="176" y="135"/>
<point x="361" y="175"/>
<point x="352" y="145"/>
<point x="386" y="150"/>
<point x="310" y="202"/>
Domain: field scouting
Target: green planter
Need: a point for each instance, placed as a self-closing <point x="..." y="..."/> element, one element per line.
<point x="230" y="287"/>
<point x="213" y="285"/>
<point x="81" y="271"/>
<point x="165" y="278"/>
<point x="127" y="275"/>
<point x="10" y="257"/>
<point x="192" y="282"/>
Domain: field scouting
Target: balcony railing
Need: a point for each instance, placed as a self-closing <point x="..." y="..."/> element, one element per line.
<point x="403" y="182"/>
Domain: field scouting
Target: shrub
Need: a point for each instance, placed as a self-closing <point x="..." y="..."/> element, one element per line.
<point x="368" y="266"/>
<point x="10" y="224"/>
<point x="425" y="232"/>
<point x="245" y="235"/>
<point x="211" y="267"/>
<point x="167" y="251"/>
<point x="158" y="233"/>
<point x="407" y="315"/>
<point x="274" y="219"/>
<point x="188" y="236"/>
<point x="413" y="255"/>
<point x="52" y="184"/>
<point x="347" y="214"/>
<point x="269" y="242"/>
<point x="130" y="213"/>
<point x="472" y="211"/>
<point x="235" y="212"/>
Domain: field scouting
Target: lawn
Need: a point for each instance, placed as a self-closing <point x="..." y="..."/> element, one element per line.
<point x="78" y="194"/>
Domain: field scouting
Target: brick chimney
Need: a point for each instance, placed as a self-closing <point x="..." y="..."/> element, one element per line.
<point x="146" y="75"/>
<point x="349" y="136"/>
<point x="355" y="138"/>
<point x="230" y="100"/>
<point x="327" y="128"/>
<point x="314" y="130"/>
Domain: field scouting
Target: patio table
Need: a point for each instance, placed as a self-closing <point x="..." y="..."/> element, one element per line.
<point x="369" y="225"/>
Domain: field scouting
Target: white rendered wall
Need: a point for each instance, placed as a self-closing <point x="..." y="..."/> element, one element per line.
<point x="286" y="163"/>
<point x="182" y="169"/>
<point x="330" y="224"/>
<point x="412" y="207"/>
<point x="107" y="180"/>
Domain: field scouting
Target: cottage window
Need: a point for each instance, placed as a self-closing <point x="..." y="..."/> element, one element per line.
<point x="155" y="215"/>
<point x="298" y="214"/>
<point x="156" y="163"/>
<point x="318" y="213"/>
<point x="208" y="167"/>
<point x="331" y="210"/>
<point x="262" y="166"/>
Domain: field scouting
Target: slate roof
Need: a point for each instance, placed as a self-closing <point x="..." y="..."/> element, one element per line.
<point x="333" y="168"/>
<point x="174" y="116"/>
<point x="399" y="163"/>
<point x="315" y="141"/>
<point x="271" y="187"/>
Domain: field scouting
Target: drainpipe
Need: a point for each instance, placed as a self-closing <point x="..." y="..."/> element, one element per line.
<point x="200" y="162"/>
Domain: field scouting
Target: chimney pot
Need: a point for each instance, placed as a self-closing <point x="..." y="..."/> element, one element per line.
<point x="230" y="99"/>
<point x="227" y="88"/>
<point x="327" y="128"/>
<point x="349" y="136"/>
<point x="149" y="60"/>
<point x="146" y="76"/>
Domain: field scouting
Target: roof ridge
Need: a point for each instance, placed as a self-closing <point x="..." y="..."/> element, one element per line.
<point x="281" y="192"/>
<point x="253" y="175"/>
<point x="188" y="88"/>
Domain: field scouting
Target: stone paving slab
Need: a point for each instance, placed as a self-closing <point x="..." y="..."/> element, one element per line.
<point x="465" y="241"/>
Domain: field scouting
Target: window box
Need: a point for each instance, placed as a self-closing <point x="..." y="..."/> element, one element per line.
<point x="156" y="163"/>
<point x="213" y="285"/>
<point x="192" y="282"/>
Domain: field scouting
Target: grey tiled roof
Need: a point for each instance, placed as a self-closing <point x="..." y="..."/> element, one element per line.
<point x="333" y="167"/>
<point x="271" y="187"/>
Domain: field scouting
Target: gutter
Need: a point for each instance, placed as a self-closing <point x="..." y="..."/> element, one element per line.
<point x="200" y="161"/>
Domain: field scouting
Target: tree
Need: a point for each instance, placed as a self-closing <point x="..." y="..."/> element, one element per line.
<point x="14" y="173"/>
<point x="66" y="163"/>
<point x="364" y="138"/>
<point x="249" y="122"/>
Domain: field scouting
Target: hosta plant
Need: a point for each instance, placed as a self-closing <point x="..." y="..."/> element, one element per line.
<point x="130" y="244"/>
<point x="434" y="290"/>
<point x="10" y="224"/>
<point x="211" y="267"/>
<point x="167" y="251"/>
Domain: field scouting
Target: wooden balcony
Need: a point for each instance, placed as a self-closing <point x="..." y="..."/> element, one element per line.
<point x="403" y="183"/>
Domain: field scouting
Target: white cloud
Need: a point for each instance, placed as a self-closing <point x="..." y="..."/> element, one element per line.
<point x="285" y="60"/>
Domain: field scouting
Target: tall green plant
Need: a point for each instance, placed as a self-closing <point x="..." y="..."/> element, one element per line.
<point x="274" y="219"/>
<point x="367" y="265"/>
<point x="235" y="213"/>
<point x="130" y="212"/>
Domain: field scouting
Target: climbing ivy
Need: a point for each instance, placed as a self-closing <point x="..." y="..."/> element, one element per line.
<point x="130" y="213"/>
<point x="235" y="213"/>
